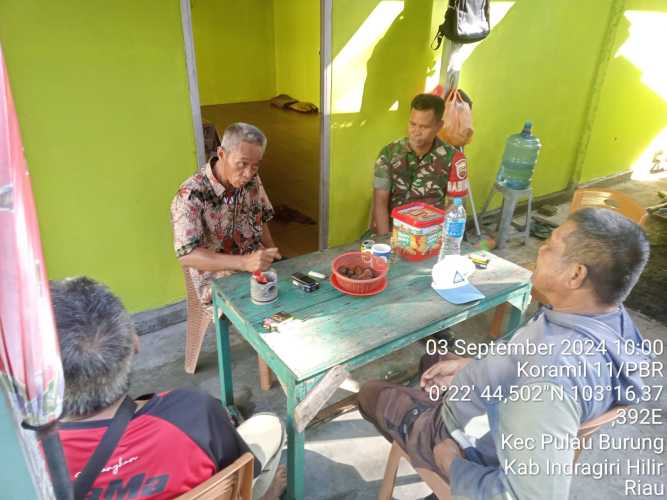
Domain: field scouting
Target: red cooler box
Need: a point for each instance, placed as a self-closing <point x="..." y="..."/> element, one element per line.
<point x="417" y="232"/>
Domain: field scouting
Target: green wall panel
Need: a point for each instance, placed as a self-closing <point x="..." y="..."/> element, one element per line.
<point x="630" y="124"/>
<point x="102" y="98"/>
<point x="538" y="63"/>
<point x="381" y="60"/>
<point x="297" y="44"/>
<point x="235" y="50"/>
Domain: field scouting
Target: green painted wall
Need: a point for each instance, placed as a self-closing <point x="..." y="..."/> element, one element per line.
<point x="538" y="63"/>
<point x="297" y="43"/>
<point x="101" y="93"/>
<point x="255" y="49"/>
<point x="381" y="55"/>
<point x="103" y="104"/>
<point x="235" y="50"/>
<point x="631" y="120"/>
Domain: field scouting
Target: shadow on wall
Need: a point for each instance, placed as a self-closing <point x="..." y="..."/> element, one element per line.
<point x="537" y="64"/>
<point x="631" y="123"/>
<point x="540" y="64"/>
<point x="395" y="71"/>
<point x="399" y="64"/>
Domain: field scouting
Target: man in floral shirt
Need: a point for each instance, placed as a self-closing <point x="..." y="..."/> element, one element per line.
<point x="220" y="214"/>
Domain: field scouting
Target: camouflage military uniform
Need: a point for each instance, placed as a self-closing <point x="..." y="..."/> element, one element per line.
<point x="409" y="178"/>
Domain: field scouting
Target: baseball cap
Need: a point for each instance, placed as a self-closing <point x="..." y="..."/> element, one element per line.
<point x="450" y="280"/>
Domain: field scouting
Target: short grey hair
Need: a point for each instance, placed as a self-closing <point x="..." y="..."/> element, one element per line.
<point x="96" y="337"/>
<point x="613" y="248"/>
<point x="240" y="132"/>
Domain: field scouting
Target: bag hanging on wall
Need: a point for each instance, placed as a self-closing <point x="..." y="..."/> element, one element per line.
<point x="457" y="129"/>
<point x="466" y="21"/>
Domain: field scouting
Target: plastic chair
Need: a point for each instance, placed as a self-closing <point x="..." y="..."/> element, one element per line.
<point x="614" y="200"/>
<point x="437" y="483"/>
<point x="234" y="482"/>
<point x="199" y="317"/>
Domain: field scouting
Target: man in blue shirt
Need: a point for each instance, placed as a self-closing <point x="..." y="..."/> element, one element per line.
<point x="567" y="365"/>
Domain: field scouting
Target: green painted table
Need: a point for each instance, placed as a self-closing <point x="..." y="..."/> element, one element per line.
<point x="330" y="328"/>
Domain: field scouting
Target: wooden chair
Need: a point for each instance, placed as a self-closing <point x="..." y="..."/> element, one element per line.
<point x="199" y="317"/>
<point x="435" y="482"/>
<point x="440" y="487"/>
<point x="583" y="198"/>
<point x="234" y="482"/>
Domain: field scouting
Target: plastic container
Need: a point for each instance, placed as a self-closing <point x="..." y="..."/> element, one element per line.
<point x="363" y="259"/>
<point x="417" y="232"/>
<point x="519" y="158"/>
<point x="453" y="229"/>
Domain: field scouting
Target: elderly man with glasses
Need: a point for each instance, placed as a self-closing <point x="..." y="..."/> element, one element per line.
<point x="220" y="214"/>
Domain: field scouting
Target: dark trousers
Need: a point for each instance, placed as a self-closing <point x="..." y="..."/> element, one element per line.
<point x="405" y="415"/>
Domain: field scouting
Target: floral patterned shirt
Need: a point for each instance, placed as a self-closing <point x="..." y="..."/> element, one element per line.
<point x="206" y="214"/>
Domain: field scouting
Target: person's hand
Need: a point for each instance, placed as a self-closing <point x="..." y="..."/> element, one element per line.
<point x="444" y="454"/>
<point x="442" y="373"/>
<point x="278" y="255"/>
<point x="260" y="260"/>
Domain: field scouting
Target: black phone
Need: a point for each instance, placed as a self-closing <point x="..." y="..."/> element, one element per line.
<point x="304" y="282"/>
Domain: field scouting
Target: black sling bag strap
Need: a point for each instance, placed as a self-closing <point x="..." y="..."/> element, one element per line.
<point x="105" y="448"/>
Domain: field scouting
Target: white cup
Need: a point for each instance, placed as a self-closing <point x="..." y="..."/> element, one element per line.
<point x="381" y="250"/>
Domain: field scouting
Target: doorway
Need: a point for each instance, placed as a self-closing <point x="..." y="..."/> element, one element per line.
<point x="244" y="55"/>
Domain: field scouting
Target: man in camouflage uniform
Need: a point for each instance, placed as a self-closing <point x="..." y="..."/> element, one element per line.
<point x="220" y="215"/>
<point x="414" y="168"/>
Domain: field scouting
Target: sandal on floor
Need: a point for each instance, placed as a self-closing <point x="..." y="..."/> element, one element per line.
<point x="539" y="230"/>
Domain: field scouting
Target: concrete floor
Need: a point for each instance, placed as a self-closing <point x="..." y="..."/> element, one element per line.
<point x="345" y="458"/>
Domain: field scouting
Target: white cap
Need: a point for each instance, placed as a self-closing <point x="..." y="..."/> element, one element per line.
<point x="450" y="280"/>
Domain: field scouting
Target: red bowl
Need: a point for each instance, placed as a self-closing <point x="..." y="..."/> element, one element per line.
<point x="364" y="259"/>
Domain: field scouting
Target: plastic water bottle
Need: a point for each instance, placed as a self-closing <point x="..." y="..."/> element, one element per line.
<point x="519" y="158"/>
<point x="453" y="229"/>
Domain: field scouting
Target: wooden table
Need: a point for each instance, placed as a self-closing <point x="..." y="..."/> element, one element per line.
<point x="331" y="328"/>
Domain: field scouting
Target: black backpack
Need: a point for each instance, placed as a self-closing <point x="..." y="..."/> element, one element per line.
<point x="466" y="21"/>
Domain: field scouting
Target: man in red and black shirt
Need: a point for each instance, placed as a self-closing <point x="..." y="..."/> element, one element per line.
<point x="174" y="441"/>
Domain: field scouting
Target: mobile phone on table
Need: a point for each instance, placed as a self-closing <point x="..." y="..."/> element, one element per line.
<point x="306" y="283"/>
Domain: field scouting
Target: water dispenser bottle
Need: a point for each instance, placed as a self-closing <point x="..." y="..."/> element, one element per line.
<point x="518" y="163"/>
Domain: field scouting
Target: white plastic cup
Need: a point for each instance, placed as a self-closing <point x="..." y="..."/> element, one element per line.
<point x="381" y="250"/>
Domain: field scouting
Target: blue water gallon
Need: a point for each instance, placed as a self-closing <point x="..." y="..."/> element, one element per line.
<point x="518" y="163"/>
